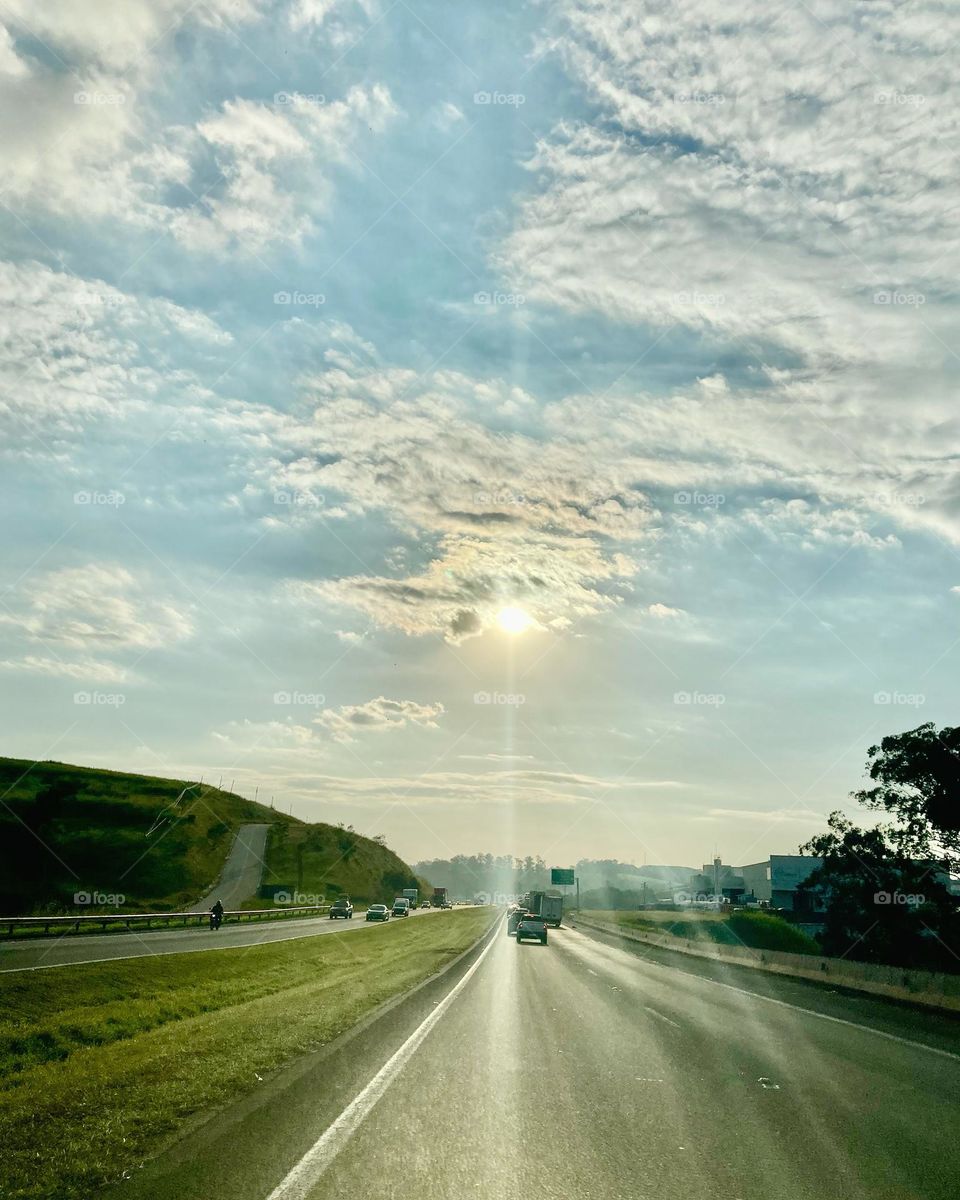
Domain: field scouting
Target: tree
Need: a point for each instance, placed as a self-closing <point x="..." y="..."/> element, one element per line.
<point x="883" y="904"/>
<point x="917" y="777"/>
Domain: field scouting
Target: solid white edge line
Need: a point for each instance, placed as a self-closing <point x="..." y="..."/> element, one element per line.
<point x="82" y="962"/>
<point x="306" y="1173"/>
<point x="810" y="1012"/>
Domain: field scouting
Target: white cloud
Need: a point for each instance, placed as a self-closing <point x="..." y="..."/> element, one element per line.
<point x="85" y="669"/>
<point x="87" y="140"/>
<point x="97" y="609"/>
<point x="377" y="716"/>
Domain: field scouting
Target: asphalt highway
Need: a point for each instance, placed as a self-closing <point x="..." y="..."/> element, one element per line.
<point x="28" y="954"/>
<point x="242" y="871"/>
<point x="586" y="1070"/>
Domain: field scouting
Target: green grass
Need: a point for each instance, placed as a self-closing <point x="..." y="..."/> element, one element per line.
<point x="326" y="860"/>
<point x="756" y="930"/>
<point x="100" y="1064"/>
<point x="66" y="829"/>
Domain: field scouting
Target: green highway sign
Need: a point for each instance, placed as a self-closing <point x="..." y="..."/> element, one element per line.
<point x="561" y="875"/>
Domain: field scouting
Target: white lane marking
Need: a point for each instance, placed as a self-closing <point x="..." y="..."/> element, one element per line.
<point x="305" y="1175"/>
<point x="810" y="1012"/>
<point x="294" y="937"/>
<point x="653" y="1012"/>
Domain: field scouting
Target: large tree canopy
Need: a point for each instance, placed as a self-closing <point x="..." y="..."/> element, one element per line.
<point x="917" y="778"/>
<point x="883" y="905"/>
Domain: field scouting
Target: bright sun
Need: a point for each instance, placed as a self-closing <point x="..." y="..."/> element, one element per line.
<point x="513" y="620"/>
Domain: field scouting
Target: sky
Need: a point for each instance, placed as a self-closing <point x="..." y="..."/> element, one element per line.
<point x="514" y="427"/>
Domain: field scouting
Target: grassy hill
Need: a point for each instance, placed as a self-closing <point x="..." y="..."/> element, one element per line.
<point x="330" y="861"/>
<point x="160" y="842"/>
<point x="757" y="930"/>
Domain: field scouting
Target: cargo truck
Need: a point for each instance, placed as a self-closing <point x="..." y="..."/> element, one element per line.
<point x="551" y="908"/>
<point x="411" y="895"/>
<point x="440" y="898"/>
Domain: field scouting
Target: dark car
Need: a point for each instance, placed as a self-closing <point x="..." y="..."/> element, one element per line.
<point x="378" y="912"/>
<point x="401" y="907"/>
<point x="532" y="927"/>
<point x="341" y="908"/>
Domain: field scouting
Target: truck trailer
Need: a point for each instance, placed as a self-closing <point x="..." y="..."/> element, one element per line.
<point x="551" y="908"/>
<point x="440" y="898"/>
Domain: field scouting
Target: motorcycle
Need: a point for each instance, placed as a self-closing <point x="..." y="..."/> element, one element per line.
<point x="216" y="919"/>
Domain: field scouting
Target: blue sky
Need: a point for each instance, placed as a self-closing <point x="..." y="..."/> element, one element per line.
<point x="333" y="329"/>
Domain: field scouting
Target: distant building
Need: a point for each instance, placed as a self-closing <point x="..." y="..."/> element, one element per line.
<point x="718" y="879"/>
<point x="776" y="879"/>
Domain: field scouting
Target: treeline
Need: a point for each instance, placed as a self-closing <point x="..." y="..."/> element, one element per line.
<point x="469" y="875"/>
<point x="466" y="876"/>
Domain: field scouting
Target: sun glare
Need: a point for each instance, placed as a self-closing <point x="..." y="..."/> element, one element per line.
<point x="513" y="619"/>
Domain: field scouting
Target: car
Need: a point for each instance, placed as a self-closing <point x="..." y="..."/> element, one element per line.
<point x="341" y="908"/>
<point x="426" y="904"/>
<point x="531" y="926"/>
<point x="378" y="912"/>
<point x="401" y="907"/>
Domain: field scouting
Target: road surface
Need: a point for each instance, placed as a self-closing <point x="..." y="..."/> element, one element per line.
<point x="586" y="1070"/>
<point x="25" y="954"/>
<point x="242" y="872"/>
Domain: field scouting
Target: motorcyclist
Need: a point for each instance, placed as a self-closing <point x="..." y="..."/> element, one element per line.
<point x="216" y="915"/>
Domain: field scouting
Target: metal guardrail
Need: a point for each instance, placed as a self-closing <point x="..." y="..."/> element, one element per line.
<point x="66" y="925"/>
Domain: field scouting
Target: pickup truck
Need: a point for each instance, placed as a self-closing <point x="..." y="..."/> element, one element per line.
<point x="533" y="927"/>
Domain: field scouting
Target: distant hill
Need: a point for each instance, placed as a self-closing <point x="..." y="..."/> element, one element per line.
<point x="160" y="843"/>
<point x="331" y="861"/>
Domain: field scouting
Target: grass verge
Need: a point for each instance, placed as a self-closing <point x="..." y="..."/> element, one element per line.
<point x="101" y="1063"/>
<point x="758" y="931"/>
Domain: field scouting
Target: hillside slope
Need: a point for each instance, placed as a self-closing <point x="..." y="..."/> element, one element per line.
<point x="161" y="843"/>
<point x="330" y="861"/>
<point x="66" y="829"/>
